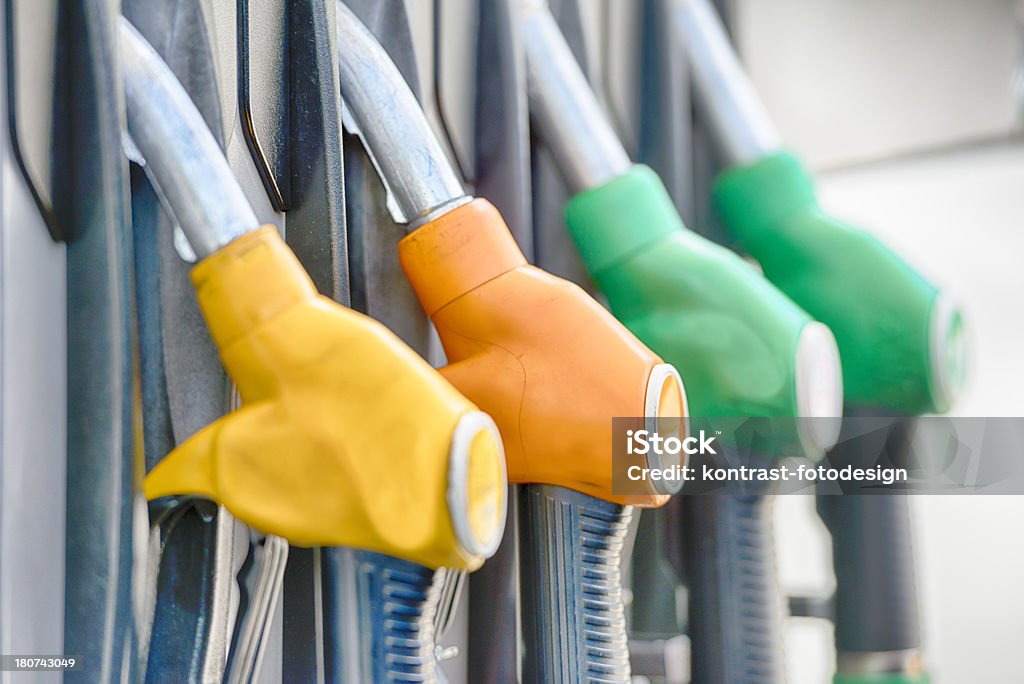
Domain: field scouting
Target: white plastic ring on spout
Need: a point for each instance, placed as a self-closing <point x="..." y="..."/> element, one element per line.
<point x="665" y="405"/>
<point x="819" y="389"/>
<point x="476" y="500"/>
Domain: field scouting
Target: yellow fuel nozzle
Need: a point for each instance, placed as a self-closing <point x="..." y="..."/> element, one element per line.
<point x="346" y="437"/>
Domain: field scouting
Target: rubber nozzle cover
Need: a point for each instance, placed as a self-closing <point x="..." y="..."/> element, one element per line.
<point x="345" y="437"/>
<point x="737" y="340"/>
<point x="901" y="340"/>
<point x="534" y="351"/>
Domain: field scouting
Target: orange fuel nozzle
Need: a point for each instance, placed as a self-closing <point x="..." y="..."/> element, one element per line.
<point x="547" y="362"/>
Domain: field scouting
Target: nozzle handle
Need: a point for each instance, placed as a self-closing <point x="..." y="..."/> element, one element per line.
<point x="379" y="617"/>
<point x="878" y="628"/>
<point x="735" y="604"/>
<point x="572" y="612"/>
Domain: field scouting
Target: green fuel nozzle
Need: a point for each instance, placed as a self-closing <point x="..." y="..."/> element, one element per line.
<point x="901" y="339"/>
<point x="742" y="347"/>
<point x="745" y="349"/>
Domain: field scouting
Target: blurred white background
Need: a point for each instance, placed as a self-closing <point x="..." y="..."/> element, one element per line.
<point x="907" y="110"/>
<point x="852" y="81"/>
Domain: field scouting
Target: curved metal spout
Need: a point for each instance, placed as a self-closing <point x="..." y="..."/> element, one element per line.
<point x="564" y="108"/>
<point x="737" y="116"/>
<point x="182" y="157"/>
<point x="391" y="123"/>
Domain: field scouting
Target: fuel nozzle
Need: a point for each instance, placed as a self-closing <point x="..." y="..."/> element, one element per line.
<point x="743" y="347"/>
<point x="345" y="435"/>
<point x="901" y="338"/>
<point x="534" y="351"/>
